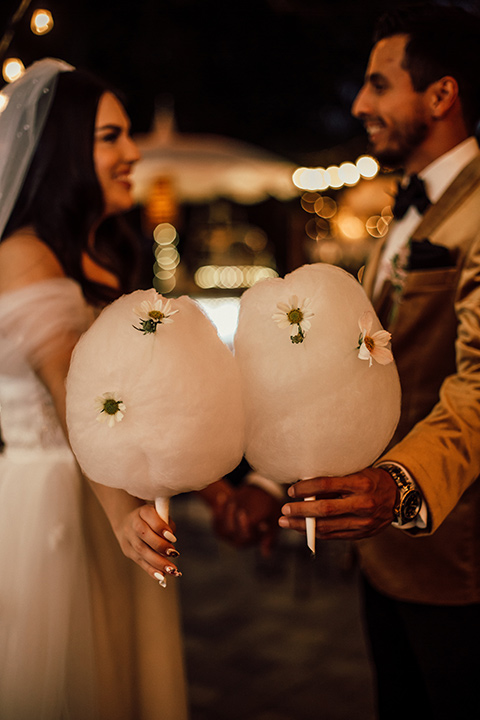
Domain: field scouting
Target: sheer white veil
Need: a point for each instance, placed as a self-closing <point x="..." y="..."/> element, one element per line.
<point x="24" y="107"/>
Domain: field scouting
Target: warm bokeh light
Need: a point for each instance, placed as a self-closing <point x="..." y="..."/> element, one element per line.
<point x="349" y="173"/>
<point x="376" y="226"/>
<point x="309" y="200"/>
<point x="162" y="285"/>
<point x="319" y="202"/>
<point x="3" y="102"/>
<point x="350" y="226"/>
<point x="334" y="178"/>
<point x="41" y="22"/>
<point x="13" y="68"/>
<point x="387" y="213"/>
<point x="231" y="277"/>
<point x="328" y="208"/>
<point x="310" y="179"/>
<point x="167" y="257"/>
<point x="165" y="234"/>
<point x="256" y="240"/>
<point x="367" y="166"/>
<point x="317" y="229"/>
<point x="319" y="178"/>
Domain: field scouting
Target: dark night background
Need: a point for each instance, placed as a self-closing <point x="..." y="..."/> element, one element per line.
<point x="281" y="74"/>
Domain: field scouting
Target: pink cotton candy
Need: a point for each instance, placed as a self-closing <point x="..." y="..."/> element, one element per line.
<point x="183" y="424"/>
<point x="313" y="407"/>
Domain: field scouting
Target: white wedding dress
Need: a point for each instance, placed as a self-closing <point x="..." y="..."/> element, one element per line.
<point x="84" y="633"/>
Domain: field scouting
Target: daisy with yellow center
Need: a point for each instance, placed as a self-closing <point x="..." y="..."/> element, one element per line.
<point x="294" y="313"/>
<point x="152" y="313"/>
<point x="110" y="408"/>
<point x="373" y="347"/>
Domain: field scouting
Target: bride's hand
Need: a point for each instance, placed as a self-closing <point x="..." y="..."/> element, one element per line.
<point x="147" y="540"/>
<point x="141" y="533"/>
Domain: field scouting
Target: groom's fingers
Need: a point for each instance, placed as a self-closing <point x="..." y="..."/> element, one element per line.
<point x="354" y="506"/>
<point x="346" y="528"/>
<point x="322" y="486"/>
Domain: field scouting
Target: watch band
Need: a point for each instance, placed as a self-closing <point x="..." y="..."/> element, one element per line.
<point x="410" y="500"/>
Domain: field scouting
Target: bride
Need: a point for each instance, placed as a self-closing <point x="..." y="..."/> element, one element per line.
<point x="84" y="632"/>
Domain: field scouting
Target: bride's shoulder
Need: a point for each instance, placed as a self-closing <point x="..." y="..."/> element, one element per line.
<point x="25" y="259"/>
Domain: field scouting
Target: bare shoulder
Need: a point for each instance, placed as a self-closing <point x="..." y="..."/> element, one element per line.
<point x="24" y="260"/>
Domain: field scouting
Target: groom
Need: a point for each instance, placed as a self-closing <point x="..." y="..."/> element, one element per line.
<point x="416" y="513"/>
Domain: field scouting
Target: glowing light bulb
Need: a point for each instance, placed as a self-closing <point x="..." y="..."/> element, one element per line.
<point x="367" y="166"/>
<point x="335" y="181"/>
<point x="41" y="22"/>
<point x="349" y="173"/>
<point x="310" y="178"/>
<point x="13" y="68"/>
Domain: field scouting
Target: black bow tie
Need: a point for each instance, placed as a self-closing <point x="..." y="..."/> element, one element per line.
<point x="413" y="194"/>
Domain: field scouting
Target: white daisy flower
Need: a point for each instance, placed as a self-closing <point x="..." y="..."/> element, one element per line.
<point x="373" y="346"/>
<point x="154" y="312"/>
<point x="110" y="408"/>
<point x="294" y="313"/>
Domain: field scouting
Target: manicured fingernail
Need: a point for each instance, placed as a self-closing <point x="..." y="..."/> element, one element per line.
<point x="283" y="522"/>
<point x="291" y="491"/>
<point x="286" y="510"/>
<point x="173" y="571"/>
<point x="161" y="579"/>
<point x="171" y="552"/>
<point x="169" y="536"/>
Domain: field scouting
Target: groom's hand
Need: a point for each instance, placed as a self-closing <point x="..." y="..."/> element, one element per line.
<point x="251" y="518"/>
<point x="347" y="508"/>
<point x="243" y="516"/>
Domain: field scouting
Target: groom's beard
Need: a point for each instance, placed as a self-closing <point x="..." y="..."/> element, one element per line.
<point x="404" y="139"/>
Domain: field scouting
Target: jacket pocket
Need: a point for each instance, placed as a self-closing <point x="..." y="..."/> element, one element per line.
<point x="430" y="281"/>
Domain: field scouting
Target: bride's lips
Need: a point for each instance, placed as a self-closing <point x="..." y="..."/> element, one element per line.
<point x="124" y="179"/>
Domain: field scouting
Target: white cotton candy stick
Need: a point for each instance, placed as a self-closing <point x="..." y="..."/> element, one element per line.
<point x="162" y="506"/>
<point x="311" y="527"/>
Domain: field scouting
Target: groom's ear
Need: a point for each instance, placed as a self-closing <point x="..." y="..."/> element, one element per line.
<point x="443" y="94"/>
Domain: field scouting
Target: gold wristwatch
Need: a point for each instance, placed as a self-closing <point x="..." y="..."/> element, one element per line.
<point x="410" y="500"/>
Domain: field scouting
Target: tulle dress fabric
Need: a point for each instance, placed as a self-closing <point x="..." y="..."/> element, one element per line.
<point x="84" y="633"/>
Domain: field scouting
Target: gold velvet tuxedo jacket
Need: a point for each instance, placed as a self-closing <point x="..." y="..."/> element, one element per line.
<point x="436" y="345"/>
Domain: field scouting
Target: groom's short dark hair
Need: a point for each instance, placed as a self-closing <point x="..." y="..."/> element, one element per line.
<point x="442" y="41"/>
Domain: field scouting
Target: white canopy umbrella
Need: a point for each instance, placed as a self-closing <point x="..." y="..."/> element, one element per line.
<point x="204" y="167"/>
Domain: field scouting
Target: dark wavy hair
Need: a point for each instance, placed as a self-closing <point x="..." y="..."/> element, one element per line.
<point x="61" y="197"/>
<point x="441" y="41"/>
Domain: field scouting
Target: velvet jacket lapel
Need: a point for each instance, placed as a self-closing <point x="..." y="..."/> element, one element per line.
<point x="464" y="184"/>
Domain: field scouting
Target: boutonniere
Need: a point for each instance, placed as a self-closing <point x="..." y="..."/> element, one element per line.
<point x="398" y="275"/>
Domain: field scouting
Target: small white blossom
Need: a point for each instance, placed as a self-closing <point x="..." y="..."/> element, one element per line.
<point x="294" y="313"/>
<point x="154" y="312"/>
<point x="373" y="346"/>
<point x="110" y="408"/>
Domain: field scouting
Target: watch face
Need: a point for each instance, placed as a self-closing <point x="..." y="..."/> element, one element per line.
<point x="411" y="505"/>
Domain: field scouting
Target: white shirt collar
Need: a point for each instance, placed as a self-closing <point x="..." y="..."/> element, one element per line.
<point x="437" y="177"/>
<point x="442" y="171"/>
